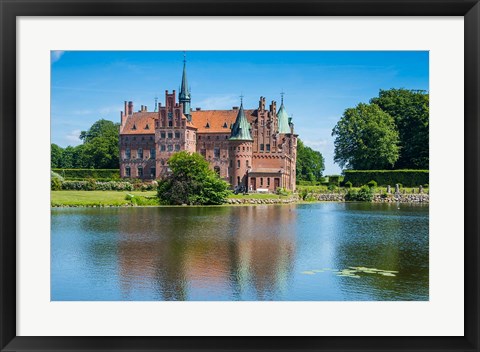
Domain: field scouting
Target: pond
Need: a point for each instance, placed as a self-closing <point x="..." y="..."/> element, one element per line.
<point x="296" y="252"/>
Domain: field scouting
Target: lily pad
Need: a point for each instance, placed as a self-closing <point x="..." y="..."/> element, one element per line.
<point x="317" y="271"/>
<point x="308" y="272"/>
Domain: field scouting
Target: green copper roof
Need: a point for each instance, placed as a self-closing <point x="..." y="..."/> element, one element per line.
<point x="241" y="127"/>
<point x="283" y="126"/>
<point x="184" y="93"/>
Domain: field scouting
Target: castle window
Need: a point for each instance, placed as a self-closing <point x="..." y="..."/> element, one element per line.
<point x="140" y="153"/>
<point x="243" y="149"/>
<point x="127" y="153"/>
<point x="216" y="152"/>
<point x="162" y="134"/>
<point x="127" y="171"/>
<point x="153" y="172"/>
<point x="170" y="135"/>
<point x="268" y="181"/>
<point x="143" y="138"/>
<point x="152" y="153"/>
<point x="261" y="147"/>
<point x="231" y="163"/>
<point x="151" y="138"/>
<point x="170" y="147"/>
<point x="246" y="163"/>
<point x="177" y="147"/>
<point x="238" y="163"/>
<point x="170" y="123"/>
<point x="177" y="135"/>
<point x="140" y="171"/>
<point x="261" y="181"/>
<point x="162" y="148"/>
<point x="162" y="162"/>
<point x="203" y="152"/>
<point x="268" y="147"/>
<point x="226" y="137"/>
<point x="208" y="137"/>
<point x="199" y="137"/>
<point x="238" y="180"/>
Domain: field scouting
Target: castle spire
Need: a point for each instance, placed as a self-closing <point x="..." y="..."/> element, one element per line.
<point x="184" y="96"/>
<point x="283" y="123"/>
<point x="241" y="127"/>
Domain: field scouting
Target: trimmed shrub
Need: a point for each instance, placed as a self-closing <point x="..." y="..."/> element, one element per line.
<point x="365" y="194"/>
<point x="99" y="186"/>
<point x="408" y="178"/>
<point x="89" y="173"/>
<point x="348" y="184"/>
<point x="372" y="184"/>
<point x="335" y="179"/>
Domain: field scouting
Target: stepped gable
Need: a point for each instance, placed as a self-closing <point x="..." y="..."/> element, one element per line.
<point x="216" y="120"/>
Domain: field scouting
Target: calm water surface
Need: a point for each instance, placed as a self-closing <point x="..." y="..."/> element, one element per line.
<point x="240" y="253"/>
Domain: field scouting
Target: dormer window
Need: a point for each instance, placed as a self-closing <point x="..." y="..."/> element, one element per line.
<point x="207" y="125"/>
<point x="147" y="127"/>
<point x="134" y="127"/>
<point x="225" y="125"/>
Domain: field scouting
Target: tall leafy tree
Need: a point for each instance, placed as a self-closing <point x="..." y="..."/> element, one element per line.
<point x="366" y="138"/>
<point x="99" y="149"/>
<point x="191" y="182"/>
<point x="56" y="153"/>
<point x="410" y="110"/>
<point x="310" y="163"/>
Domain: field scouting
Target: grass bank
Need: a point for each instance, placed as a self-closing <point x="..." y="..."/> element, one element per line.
<point x="101" y="198"/>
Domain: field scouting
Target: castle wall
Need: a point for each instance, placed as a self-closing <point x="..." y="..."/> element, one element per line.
<point x="215" y="149"/>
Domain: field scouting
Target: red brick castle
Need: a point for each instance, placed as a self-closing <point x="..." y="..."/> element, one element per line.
<point x="253" y="149"/>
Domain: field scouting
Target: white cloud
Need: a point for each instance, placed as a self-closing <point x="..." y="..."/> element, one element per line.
<point x="218" y="102"/>
<point x="316" y="144"/>
<point x="55" y="55"/>
<point x="73" y="137"/>
<point x="82" y="112"/>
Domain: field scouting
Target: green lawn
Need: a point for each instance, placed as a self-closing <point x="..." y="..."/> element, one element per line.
<point x="255" y="196"/>
<point x="90" y="198"/>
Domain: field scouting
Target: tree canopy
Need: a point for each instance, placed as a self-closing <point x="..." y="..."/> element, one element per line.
<point x="310" y="163"/>
<point x="410" y="110"/>
<point x="190" y="181"/>
<point x="99" y="149"/>
<point x="366" y="138"/>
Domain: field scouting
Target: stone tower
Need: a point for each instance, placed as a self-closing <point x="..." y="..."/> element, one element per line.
<point x="240" y="152"/>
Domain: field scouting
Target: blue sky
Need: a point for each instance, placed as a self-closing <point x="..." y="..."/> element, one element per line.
<point x="318" y="85"/>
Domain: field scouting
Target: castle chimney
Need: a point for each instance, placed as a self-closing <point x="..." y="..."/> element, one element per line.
<point x="261" y="104"/>
<point x="198" y="109"/>
<point x="123" y="118"/>
<point x="125" y="110"/>
<point x="234" y="107"/>
<point x="273" y="107"/>
<point x="130" y="107"/>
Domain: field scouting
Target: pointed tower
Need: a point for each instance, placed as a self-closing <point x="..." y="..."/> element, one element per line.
<point x="283" y="122"/>
<point x="184" y="96"/>
<point x="240" y="151"/>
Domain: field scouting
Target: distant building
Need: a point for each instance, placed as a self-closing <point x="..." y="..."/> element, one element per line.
<point x="252" y="149"/>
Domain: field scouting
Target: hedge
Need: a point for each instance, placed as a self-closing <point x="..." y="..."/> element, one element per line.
<point x="407" y="178"/>
<point x="92" y="185"/>
<point x="88" y="173"/>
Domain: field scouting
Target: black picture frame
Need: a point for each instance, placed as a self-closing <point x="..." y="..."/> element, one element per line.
<point x="9" y="10"/>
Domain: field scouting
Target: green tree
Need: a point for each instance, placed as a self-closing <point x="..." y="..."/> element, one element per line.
<point x="100" y="146"/>
<point x="410" y="110"/>
<point x="310" y="163"/>
<point x="190" y="181"/>
<point x="366" y="138"/>
<point x="56" y="153"/>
